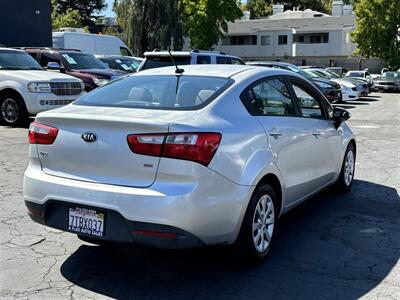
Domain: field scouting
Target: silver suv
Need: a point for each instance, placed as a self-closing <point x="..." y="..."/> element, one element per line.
<point x="158" y="59"/>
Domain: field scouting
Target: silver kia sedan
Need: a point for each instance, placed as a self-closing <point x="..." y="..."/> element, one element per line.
<point x="178" y="158"/>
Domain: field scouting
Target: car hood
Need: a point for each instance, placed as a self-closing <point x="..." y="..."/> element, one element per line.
<point x="345" y="82"/>
<point x="39" y="75"/>
<point x="321" y="80"/>
<point x="107" y="73"/>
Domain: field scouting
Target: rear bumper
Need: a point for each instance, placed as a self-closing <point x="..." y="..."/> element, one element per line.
<point x="208" y="210"/>
<point x="117" y="229"/>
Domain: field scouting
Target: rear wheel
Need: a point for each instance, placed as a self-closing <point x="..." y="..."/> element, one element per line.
<point x="12" y="110"/>
<point x="346" y="177"/>
<point x="259" y="224"/>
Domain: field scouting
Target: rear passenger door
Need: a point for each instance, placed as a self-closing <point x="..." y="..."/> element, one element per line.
<point x="324" y="155"/>
<point x="270" y="101"/>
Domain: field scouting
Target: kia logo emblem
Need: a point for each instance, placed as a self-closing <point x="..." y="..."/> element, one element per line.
<point x="89" y="137"/>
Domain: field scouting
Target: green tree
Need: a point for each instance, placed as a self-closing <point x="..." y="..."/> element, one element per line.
<point x="259" y="8"/>
<point x="149" y="24"/>
<point x="206" y="20"/>
<point x="87" y="9"/>
<point x="69" y="18"/>
<point x="377" y="33"/>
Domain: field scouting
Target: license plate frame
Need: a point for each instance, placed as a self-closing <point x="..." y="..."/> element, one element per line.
<point x="86" y="221"/>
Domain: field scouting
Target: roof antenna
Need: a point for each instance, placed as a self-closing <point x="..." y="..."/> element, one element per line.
<point x="177" y="71"/>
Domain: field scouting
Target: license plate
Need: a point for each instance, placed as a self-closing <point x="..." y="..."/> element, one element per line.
<point x="85" y="220"/>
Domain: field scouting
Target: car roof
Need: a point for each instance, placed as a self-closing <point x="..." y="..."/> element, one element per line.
<point x="276" y="63"/>
<point x="186" y="53"/>
<point x="215" y="70"/>
<point x="11" y="49"/>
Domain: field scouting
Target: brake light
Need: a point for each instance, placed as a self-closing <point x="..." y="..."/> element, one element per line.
<point x="197" y="147"/>
<point x="42" y="134"/>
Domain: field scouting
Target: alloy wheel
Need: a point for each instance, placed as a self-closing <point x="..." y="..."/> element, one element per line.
<point x="263" y="223"/>
<point x="10" y="110"/>
<point x="349" y="168"/>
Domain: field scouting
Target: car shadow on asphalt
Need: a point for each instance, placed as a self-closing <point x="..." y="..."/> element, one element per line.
<point x="333" y="246"/>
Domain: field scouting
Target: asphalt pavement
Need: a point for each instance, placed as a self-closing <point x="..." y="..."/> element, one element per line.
<point x="331" y="247"/>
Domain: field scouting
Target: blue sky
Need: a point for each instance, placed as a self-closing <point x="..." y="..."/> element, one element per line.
<point x="110" y="13"/>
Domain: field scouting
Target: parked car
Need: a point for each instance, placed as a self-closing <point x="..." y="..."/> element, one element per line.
<point x="348" y="88"/>
<point x="211" y="156"/>
<point x="127" y="64"/>
<point x="361" y="75"/>
<point x="27" y="89"/>
<point x="100" y="44"/>
<point x="330" y="89"/>
<point x="389" y="81"/>
<point x="85" y="66"/>
<point x="156" y="59"/>
<point x="362" y="87"/>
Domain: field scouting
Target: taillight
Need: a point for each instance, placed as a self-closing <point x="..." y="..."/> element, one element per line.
<point x="42" y="134"/>
<point x="197" y="147"/>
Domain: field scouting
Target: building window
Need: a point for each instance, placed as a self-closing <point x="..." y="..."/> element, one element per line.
<point x="299" y="38"/>
<point x="282" y="40"/>
<point x="265" y="40"/>
<point x="240" y="40"/>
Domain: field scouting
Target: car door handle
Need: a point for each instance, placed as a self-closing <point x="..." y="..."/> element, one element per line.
<point x="276" y="133"/>
<point x="316" y="133"/>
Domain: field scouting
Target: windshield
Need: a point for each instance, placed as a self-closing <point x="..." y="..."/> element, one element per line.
<point x="331" y="74"/>
<point x="81" y="61"/>
<point x="122" y="63"/>
<point x="164" y="61"/>
<point x="355" y="74"/>
<point x="17" y="60"/>
<point x="316" y="74"/>
<point x="391" y="75"/>
<point x="300" y="71"/>
<point x="157" y="91"/>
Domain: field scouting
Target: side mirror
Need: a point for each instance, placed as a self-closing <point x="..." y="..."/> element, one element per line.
<point x="53" y="66"/>
<point x="340" y="115"/>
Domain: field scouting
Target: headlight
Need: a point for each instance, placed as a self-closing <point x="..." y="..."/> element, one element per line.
<point x="39" y="87"/>
<point x="323" y="85"/>
<point x="82" y="86"/>
<point x="100" y="81"/>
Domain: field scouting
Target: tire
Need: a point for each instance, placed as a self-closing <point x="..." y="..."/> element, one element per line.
<point x="13" y="111"/>
<point x="247" y="245"/>
<point x="346" y="177"/>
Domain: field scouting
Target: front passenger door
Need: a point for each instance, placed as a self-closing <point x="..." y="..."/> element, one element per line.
<point x="324" y="154"/>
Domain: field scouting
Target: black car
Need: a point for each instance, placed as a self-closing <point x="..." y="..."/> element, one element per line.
<point x="125" y="64"/>
<point x="330" y="89"/>
<point x="85" y="66"/>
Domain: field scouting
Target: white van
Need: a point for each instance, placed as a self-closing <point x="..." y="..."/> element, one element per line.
<point x="90" y="43"/>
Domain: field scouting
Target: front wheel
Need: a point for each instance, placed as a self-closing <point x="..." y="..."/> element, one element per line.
<point x="12" y="110"/>
<point x="259" y="224"/>
<point x="346" y="176"/>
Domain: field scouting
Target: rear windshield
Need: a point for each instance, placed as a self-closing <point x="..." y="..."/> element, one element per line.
<point x="164" y="61"/>
<point x="157" y="92"/>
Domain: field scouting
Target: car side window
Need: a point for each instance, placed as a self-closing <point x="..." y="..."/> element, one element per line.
<point x="271" y="97"/>
<point x="46" y="58"/>
<point x="223" y="60"/>
<point x="310" y="107"/>
<point x="203" y="59"/>
<point x="124" y="51"/>
<point x="235" y="61"/>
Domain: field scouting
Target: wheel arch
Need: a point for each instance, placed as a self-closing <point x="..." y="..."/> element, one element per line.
<point x="8" y="90"/>
<point x="276" y="185"/>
